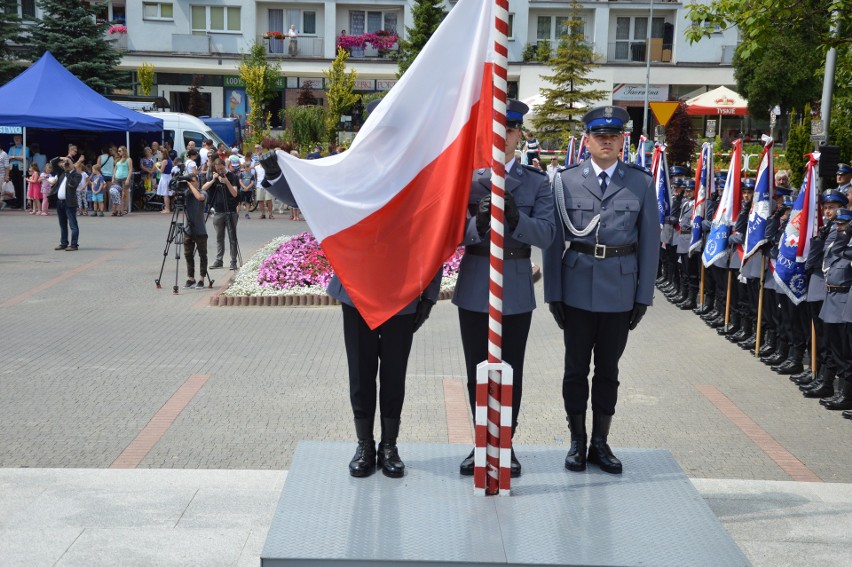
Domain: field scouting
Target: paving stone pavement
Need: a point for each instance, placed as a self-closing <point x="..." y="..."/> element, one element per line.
<point x="91" y="351"/>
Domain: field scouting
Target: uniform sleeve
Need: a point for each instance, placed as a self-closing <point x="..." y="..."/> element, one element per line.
<point x="552" y="260"/>
<point x="280" y="189"/>
<point x="538" y="228"/>
<point x="649" y="247"/>
<point x="434" y="288"/>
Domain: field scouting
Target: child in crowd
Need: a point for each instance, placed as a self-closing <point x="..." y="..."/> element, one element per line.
<point x="97" y="184"/>
<point x="246" y="186"/>
<point x="34" y="189"/>
<point x="82" y="208"/>
<point x="115" y="199"/>
<point x="47" y="181"/>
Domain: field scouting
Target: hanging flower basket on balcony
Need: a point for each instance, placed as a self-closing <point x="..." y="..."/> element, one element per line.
<point x="274" y="35"/>
<point x="113" y="30"/>
<point x="383" y="41"/>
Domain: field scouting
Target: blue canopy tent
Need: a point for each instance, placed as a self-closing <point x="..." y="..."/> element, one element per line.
<point x="48" y="96"/>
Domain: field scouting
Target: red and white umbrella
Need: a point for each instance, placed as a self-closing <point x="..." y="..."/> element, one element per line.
<point x="720" y="101"/>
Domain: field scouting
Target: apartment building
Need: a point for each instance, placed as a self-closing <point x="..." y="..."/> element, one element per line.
<point x="203" y="40"/>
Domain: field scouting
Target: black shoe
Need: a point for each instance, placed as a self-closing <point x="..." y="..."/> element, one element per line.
<point x="836" y="396"/>
<point x="466" y="466"/>
<point x="599" y="452"/>
<point x="515" y="466"/>
<point x="774" y="360"/>
<point x="61" y="247"/>
<point x="233" y="266"/>
<point x="71" y="248"/>
<point x="364" y="462"/>
<point x="731" y="329"/>
<point x="789" y="368"/>
<point x="200" y="284"/>
<point x="748" y="343"/>
<point x="388" y="459"/>
<point x="716" y="323"/>
<point x="767" y="350"/>
<point x="802" y="378"/>
<point x="847" y="414"/>
<point x="189" y="283"/>
<point x="216" y="265"/>
<point x="686" y="305"/>
<point x="844" y="402"/>
<point x="821" y="391"/>
<point x="575" y="460"/>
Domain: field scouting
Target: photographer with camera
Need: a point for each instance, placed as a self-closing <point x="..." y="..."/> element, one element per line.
<point x="187" y="194"/>
<point x="222" y="187"/>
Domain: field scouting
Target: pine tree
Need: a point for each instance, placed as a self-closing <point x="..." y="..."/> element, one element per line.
<point x="560" y="111"/>
<point x="427" y="16"/>
<point x="10" y="32"/>
<point x="71" y="33"/>
<point x="340" y="95"/>
<point x="306" y="95"/>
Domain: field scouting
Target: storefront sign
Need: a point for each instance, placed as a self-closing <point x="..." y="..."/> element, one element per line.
<point x="11" y="130"/>
<point x="385" y="85"/>
<point x="236" y="81"/>
<point x="626" y="91"/>
<point x="365" y="84"/>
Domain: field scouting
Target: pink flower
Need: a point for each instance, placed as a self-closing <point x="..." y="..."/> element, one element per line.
<point x="117" y="29"/>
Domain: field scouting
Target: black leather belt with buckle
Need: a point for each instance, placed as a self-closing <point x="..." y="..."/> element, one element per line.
<point x="602" y="250"/>
<point x="837" y="288"/>
<point x="508" y="253"/>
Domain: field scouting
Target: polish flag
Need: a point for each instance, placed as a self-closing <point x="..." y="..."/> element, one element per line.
<point x="392" y="208"/>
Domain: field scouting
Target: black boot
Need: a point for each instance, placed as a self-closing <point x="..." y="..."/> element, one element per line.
<point x="803" y="377"/>
<point x="843" y="400"/>
<point x="364" y="461"/>
<point x="749" y="343"/>
<point x="466" y="466"/>
<point x="599" y="452"/>
<point x="825" y="373"/>
<point x="717" y="323"/>
<point x="576" y="458"/>
<point x="822" y="387"/>
<point x="768" y="347"/>
<point x="388" y="456"/>
<point x="792" y="364"/>
<point x="744" y="331"/>
<point x="779" y="356"/>
<point x="847" y="414"/>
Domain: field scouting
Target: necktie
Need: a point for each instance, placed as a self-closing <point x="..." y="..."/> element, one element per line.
<point x="603" y="177"/>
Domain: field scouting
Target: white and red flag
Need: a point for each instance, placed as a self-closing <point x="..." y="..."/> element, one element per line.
<point x="392" y="208"/>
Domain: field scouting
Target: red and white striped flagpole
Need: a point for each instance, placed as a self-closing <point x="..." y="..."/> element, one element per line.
<point x="493" y="475"/>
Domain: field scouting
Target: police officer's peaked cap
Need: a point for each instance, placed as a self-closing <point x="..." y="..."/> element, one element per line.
<point x="679" y="170"/>
<point x="690" y="184"/>
<point x="722" y="174"/>
<point x="748" y="183"/>
<point x="843" y="169"/>
<point x="835" y="197"/>
<point x="843" y="215"/>
<point x="788" y="202"/>
<point x="783" y="191"/>
<point x="515" y="111"/>
<point x="606" y="120"/>
<point x="678" y="183"/>
<point x="371" y="106"/>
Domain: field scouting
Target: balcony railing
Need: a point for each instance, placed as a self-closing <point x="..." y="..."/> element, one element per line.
<point x="299" y="47"/>
<point x="635" y="51"/>
<point x="190" y="43"/>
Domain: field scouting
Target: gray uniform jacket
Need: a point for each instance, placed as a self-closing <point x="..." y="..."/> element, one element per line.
<point x="837" y="271"/>
<point x="531" y="191"/>
<point x="813" y="266"/>
<point x="628" y="215"/>
<point x="685" y="222"/>
<point x="847" y="310"/>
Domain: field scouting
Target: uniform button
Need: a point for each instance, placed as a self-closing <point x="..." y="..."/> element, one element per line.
<point x="603" y="208"/>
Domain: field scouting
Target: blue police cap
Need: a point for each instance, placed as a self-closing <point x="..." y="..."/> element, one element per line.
<point x="788" y="202"/>
<point x="679" y="170"/>
<point x="371" y="106"/>
<point x="747" y="183"/>
<point x="515" y="111"/>
<point x="690" y="183"/>
<point x="843" y="169"/>
<point x="678" y="183"/>
<point x="835" y="197"/>
<point x="782" y="191"/>
<point x="843" y="215"/>
<point x="606" y="120"/>
<point x="722" y="174"/>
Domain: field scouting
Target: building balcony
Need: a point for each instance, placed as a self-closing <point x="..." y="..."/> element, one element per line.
<point x="190" y="43"/>
<point x="118" y="41"/>
<point x="636" y="52"/>
<point x="306" y="46"/>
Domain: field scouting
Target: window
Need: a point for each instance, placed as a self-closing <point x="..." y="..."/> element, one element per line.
<point x="631" y="47"/>
<point x="511" y="34"/>
<point x="28" y="8"/>
<point x="309" y="23"/>
<point x="215" y="19"/>
<point x="158" y="11"/>
<point x="553" y="28"/>
<point x="361" y="22"/>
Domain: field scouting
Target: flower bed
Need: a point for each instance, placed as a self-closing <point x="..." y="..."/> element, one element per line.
<point x="293" y="270"/>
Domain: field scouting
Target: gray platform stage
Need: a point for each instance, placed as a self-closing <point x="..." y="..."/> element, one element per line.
<point x="650" y="515"/>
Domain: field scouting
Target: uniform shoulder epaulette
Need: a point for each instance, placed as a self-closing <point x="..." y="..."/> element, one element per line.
<point x="638" y="167"/>
<point x="534" y="169"/>
<point x="567" y="167"/>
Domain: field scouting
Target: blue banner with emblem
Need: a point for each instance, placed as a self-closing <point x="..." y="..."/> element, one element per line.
<point x="761" y="205"/>
<point x="662" y="185"/>
<point x="705" y="183"/>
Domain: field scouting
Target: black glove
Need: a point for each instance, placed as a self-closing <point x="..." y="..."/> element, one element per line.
<point x="424" y="307"/>
<point x="637" y="314"/>
<point x="557" y="308"/>
<point x="824" y="230"/>
<point x="269" y="161"/>
<point x="513" y="215"/>
<point x="483" y="215"/>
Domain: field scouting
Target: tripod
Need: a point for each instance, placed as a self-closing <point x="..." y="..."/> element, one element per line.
<point x="176" y="235"/>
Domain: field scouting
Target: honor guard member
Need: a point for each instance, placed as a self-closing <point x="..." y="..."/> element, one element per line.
<point x="381" y="352"/>
<point x="770" y="316"/>
<point x="688" y="262"/>
<point x="529" y="222"/>
<point x="668" y="244"/>
<point x="838" y="281"/>
<point x="844" y="178"/>
<point x="599" y="277"/>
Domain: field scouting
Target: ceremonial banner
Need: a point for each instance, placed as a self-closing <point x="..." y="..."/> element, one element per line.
<point x="704" y="181"/>
<point x="796" y="241"/>
<point x="582" y="151"/>
<point x="761" y="205"/>
<point x="625" y="147"/>
<point x="728" y="210"/>
<point x="390" y="209"/>
<point x="640" y="152"/>
<point x="570" y="153"/>
<point x="662" y="184"/>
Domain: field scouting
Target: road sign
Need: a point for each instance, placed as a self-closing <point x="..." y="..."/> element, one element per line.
<point x="663" y="111"/>
<point x="710" y="129"/>
<point x="660" y="133"/>
<point x="817" y="130"/>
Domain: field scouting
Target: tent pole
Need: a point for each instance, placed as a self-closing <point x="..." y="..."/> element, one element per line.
<point x="130" y="190"/>
<point x="25" y="170"/>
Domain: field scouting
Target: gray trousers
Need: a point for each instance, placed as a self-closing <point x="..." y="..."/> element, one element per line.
<point x="221" y="228"/>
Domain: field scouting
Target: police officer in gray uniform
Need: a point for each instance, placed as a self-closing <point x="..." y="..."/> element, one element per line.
<point x="688" y="262"/>
<point x="599" y="277"/>
<point x="529" y="222"/>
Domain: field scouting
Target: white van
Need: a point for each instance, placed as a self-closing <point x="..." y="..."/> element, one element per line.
<point x="180" y="128"/>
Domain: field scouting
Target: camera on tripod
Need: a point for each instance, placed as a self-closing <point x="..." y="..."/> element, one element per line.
<point x="179" y="184"/>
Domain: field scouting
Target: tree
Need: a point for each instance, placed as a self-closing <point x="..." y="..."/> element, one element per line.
<point x="145" y="74"/>
<point x="70" y="31"/>
<point x="680" y="140"/>
<point x="427" y="16"/>
<point x="306" y="95"/>
<point x="798" y="144"/>
<point x="196" y="102"/>
<point x="10" y="31"/>
<point x="260" y="78"/>
<point x="561" y="109"/>
<point x="307" y="125"/>
<point x="341" y="93"/>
